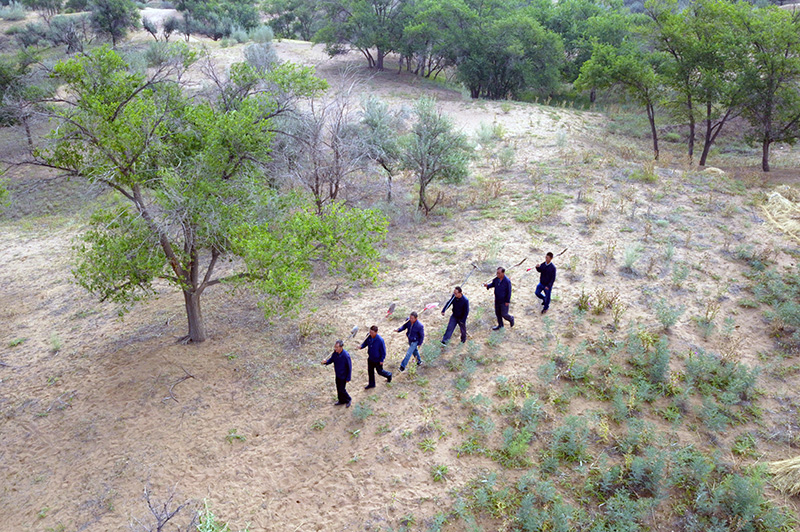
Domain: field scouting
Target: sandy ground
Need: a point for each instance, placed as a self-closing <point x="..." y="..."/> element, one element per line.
<point x="94" y="408"/>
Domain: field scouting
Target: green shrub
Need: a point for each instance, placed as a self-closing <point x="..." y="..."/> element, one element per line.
<point x="362" y="411"/>
<point x="730" y="382"/>
<point x="667" y="315"/>
<point x="570" y="440"/>
<point x="262" y="34"/>
<point x="14" y="11"/>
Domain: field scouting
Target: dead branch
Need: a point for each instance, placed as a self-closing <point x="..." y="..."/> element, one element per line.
<point x="186" y="376"/>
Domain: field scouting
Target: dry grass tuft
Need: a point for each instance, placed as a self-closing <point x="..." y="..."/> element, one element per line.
<point x="786" y="475"/>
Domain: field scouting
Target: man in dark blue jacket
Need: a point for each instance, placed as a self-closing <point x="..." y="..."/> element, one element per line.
<point x="459" y="316"/>
<point x="546" y="279"/>
<point x="502" y="298"/>
<point x="343" y="368"/>
<point x="376" y="353"/>
<point x="416" y="335"/>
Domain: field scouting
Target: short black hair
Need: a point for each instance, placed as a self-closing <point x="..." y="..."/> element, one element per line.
<point x="339" y="342"/>
<point x="550" y="254"/>
<point x="374" y="328"/>
<point x="414" y="313"/>
<point x="501" y="269"/>
<point x="459" y="290"/>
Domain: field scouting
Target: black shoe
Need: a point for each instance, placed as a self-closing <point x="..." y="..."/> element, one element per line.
<point x="339" y="403"/>
<point x="402" y="368"/>
<point x="512" y="321"/>
<point x="367" y="387"/>
<point x="497" y="327"/>
<point x="444" y="344"/>
<point x="348" y="404"/>
<point x="544" y="311"/>
<point x="389" y="378"/>
<point x="419" y="363"/>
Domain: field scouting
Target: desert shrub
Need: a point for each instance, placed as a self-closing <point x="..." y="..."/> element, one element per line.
<point x="531" y="413"/>
<point x="514" y="453"/>
<point x="632" y="254"/>
<point x="239" y="35"/>
<point x="31" y="35"/>
<point x="13" y="11"/>
<point x="729" y="381"/>
<point x="570" y="440"/>
<point x="362" y="411"/>
<point x="506" y="157"/>
<point x="667" y="315"/>
<point x="640" y="433"/>
<point x="262" y="34"/>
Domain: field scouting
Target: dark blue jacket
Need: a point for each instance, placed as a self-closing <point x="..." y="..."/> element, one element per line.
<point x="460" y="307"/>
<point x="341" y="364"/>
<point x="502" y="289"/>
<point x="548" y="274"/>
<point x="376" y="348"/>
<point x="415" y="333"/>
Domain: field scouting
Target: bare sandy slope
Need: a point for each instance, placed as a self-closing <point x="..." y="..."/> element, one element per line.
<point x="93" y="409"/>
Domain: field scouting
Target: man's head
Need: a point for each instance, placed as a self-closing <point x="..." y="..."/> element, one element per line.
<point x="501" y="272"/>
<point x="548" y="257"/>
<point x="338" y="346"/>
<point x="412" y="317"/>
<point x="373" y="331"/>
<point x="457" y="292"/>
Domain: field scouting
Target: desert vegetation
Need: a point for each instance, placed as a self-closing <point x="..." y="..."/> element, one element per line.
<point x="159" y="156"/>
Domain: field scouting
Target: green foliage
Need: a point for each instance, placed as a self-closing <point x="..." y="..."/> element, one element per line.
<point x="294" y="18"/>
<point x="218" y="18"/>
<point x="439" y="472"/>
<point x="122" y="132"/>
<point x="12" y="12"/>
<point x="729" y="381"/>
<point x="362" y="411"/>
<point x="233" y="435"/>
<point x="433" y="150"/>
<point x="113" y="18"/>
<point x="208" y="522"/>
<point x="666" y="314"/>
<point x="570" y="440"/>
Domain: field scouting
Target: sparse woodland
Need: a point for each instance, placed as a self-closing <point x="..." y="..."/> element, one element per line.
<point x="198" y="198"/>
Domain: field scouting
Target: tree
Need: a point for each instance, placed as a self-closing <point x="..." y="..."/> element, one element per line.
<point x="379" y="136"/>
<point x="46" y="8"/>
<point x="113" y="18"/>
<point x="294" y="18"/>
<point x="434" y="151"/>
<point x="187" y="174"/>
<point x="150" y="27"/>
<point x="772" y="105"/>
<point x="509" y="55"/>
<point x="632" y="69"/>
<point x="363" y="24"/>
<point x="320" y="151"/>
<point x="434" y="34"/>
<point x="217" y="18"/>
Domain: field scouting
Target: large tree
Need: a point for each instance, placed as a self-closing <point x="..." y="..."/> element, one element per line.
<point x="366" y="25"/>
<point x="189" y="185"/>
<point x="506" y="56"/>
<point x="771" y="75"/>
<point x="630" y="68"/>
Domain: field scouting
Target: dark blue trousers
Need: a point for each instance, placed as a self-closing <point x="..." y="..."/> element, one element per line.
<point x="451" y="327"/>
<point x="544" y="295"/>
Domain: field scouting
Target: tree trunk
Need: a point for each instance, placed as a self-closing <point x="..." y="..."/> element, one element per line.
<point x="379" y="59"/>
<point x="765" y="154"/>
<point x="27" y="127"/>
<point x="389" y="188"/>
<point x="651" y="116"/>
<point x="592" y="95"/>
<point x="421" y="204"/>
<point x="692" y="130"/>
<point x="197" y="329"/>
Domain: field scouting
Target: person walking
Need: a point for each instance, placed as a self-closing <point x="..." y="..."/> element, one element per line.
<point x="502" y="298"/>
<point x="415" y="332"/>
<point x="343" y="368"/>
<point x="458" y="317"/>
<point x="546" y="279"/>
<point x="376" y="354"/>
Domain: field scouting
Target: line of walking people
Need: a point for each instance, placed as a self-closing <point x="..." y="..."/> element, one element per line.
<point x="415" y="331"/>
